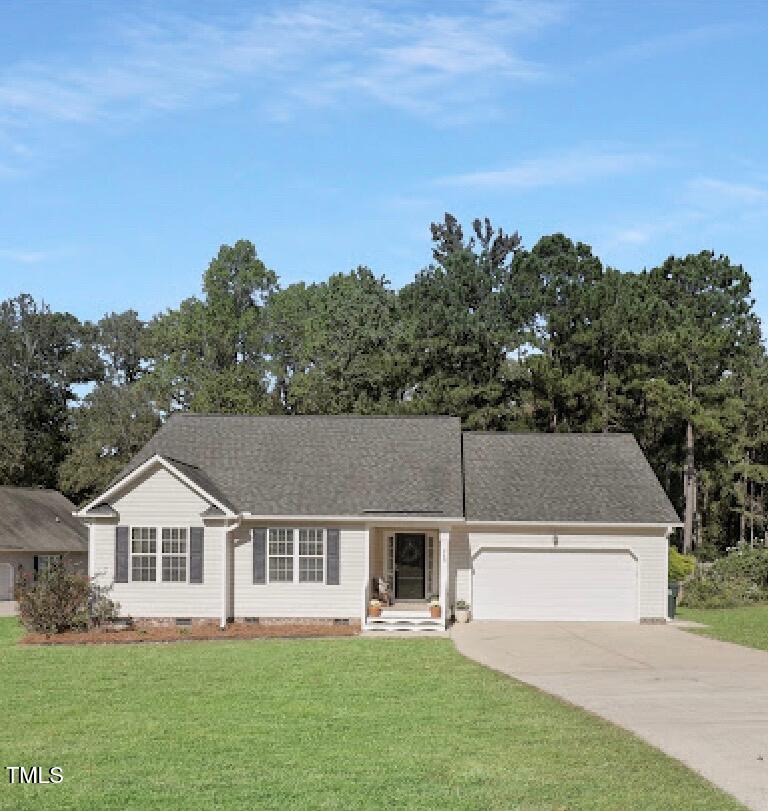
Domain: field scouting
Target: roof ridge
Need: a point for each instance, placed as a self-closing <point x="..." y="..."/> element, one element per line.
<point x="33" y="488"/>
<point x="551" y="433"/>
<point x="188" y="414"/>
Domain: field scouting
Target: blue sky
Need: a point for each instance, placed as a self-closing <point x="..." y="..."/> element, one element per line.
<point x="135" y="139"/>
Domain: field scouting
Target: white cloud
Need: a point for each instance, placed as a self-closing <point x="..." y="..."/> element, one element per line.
<point x="299" y="55"/>
<point x="569" y="167"/>
<point x="25" y="257"/>
<point x="676" y="42"/>
<point x="709" y="190"/>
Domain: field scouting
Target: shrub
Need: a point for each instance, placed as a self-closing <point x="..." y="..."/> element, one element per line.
<point x="738" y="579"/>
<point x="680" y="566"/>
<point x="101" y="608"/>
<point x="746" y="563"/>
<point x="61" y="600"/>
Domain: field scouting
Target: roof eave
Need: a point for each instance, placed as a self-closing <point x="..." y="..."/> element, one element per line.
<point x="578" y="522"/>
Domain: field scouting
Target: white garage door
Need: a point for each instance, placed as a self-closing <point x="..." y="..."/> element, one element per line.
<point x="554" y="585"/>
<point x="6" y="581"/>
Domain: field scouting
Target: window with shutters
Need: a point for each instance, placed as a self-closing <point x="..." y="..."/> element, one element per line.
<point x="296" y="555"/>
<point x="281" y="554"/>
<point x="160" y="554"/>
<point x="174" y="553"/>
<point x="311" y="558"/>
<point x="143" y="554"/>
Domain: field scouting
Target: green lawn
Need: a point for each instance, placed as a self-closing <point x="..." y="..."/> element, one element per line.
<point x="745" y="626"/>
<point x="344" y="723"/>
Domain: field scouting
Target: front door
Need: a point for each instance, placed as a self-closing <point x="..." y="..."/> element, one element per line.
<point x="409" y="566"/>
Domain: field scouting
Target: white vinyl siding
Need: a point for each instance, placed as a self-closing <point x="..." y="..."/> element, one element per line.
<point x="160" y="500"/>
<point x="460" y="568"/>
<point x="301" y="599"/>
<point x="649" y="551"/>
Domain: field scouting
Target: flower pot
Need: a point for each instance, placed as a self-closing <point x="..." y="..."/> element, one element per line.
<point x="434" y="612"/>
<point x="374" y="611"/>
<point x="462" y="615"/>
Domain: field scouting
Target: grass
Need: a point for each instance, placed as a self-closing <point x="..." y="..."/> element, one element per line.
<point x="322" y="724"/>
<point x="745" y="626"/>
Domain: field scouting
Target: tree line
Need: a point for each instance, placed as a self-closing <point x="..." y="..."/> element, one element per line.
<point x="505" y="337"/>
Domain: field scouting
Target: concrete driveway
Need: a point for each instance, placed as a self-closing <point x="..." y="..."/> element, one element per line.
<point x="8" y="608"/>
<point x="699" y="700"/>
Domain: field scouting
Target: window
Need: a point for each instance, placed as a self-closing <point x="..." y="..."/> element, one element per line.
<point x="174" y="549"/>
<point x="311" y="556"/>
<point x="296" y="555"/>
<point x="281" y="556"/>
<point x="143" y="554"/>
<point x="44" y="562"/>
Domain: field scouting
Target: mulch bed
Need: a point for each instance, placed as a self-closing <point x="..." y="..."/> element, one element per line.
<point x="237" y="630"/>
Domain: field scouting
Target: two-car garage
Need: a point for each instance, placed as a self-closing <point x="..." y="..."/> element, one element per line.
<point x="563" y="527"/>
<point x="554" y="584"/>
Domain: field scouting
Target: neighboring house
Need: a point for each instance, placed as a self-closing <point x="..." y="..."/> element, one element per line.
<point x="36" y="528"/>
<point x="302" y="517"/>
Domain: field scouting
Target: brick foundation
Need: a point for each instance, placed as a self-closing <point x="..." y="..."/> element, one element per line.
<point x="352" y="623"/>
<point x="170" y="622"/>
<point x="653" y="621"/>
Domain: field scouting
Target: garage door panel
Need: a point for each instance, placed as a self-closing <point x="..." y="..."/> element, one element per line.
<point x="554" y="585"/>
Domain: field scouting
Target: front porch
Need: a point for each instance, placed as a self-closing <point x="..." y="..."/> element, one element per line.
<point x="408" y="573"/>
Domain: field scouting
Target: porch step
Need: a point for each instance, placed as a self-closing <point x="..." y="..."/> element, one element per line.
<point x="404" y="622"/>
<point x="399" y="614"/>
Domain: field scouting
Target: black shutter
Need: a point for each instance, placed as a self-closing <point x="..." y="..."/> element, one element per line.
<point x="332" y="557"/>
<point x="195" y="554"/>
<point x="259" y="555"/>
<point x="122" y="554"/>
<point x="36" y="564"/>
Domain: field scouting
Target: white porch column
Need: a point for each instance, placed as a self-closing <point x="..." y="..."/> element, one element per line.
<point x="91" y="551"/>
<point x="444" y="561"/>
<point x="224" y="575"/>
<point x="366" y="576"/>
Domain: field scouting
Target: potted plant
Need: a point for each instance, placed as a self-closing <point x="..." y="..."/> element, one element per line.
<point x="374" y="608"/>
<point x="462" y="611"/>
<point x="434" y="609"/>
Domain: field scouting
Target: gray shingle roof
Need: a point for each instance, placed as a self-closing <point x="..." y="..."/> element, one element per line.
<point x="318" y="465"/>
<point x="602" y="478"/>
<point x="37" y="520"/>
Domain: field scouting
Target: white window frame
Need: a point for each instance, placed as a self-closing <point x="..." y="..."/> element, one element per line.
<point x="184" y="555"/>
<point x="323" y="556"/>
<point x="44" y="562"/>
<point x="296" y="556"/>
<point x="158" y="554"/>
<point x="293" y="539"/>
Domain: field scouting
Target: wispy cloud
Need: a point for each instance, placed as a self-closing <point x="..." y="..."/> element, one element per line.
<point x="25" y="257"/>
<point x="569" y="167"/>
<point x="679" y="41"/>
<point x="280" y="60"/>
<point x="705" y="189"/>
<point x="709" y="205"/>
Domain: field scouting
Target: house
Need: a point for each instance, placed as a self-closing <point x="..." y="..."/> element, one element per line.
<point x="36" y="528"/>
<point x="304" y="518"/>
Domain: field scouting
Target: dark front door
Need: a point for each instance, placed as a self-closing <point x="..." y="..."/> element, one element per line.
<point x="409" y="566"/>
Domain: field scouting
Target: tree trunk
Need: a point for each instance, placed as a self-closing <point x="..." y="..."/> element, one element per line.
<point x="690" y="490"/>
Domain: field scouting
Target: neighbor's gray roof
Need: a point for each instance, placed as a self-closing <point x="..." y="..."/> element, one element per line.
<point x="602" y="478"/>
<point x="317" y="465"/>
<point x="37" y="520"/>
